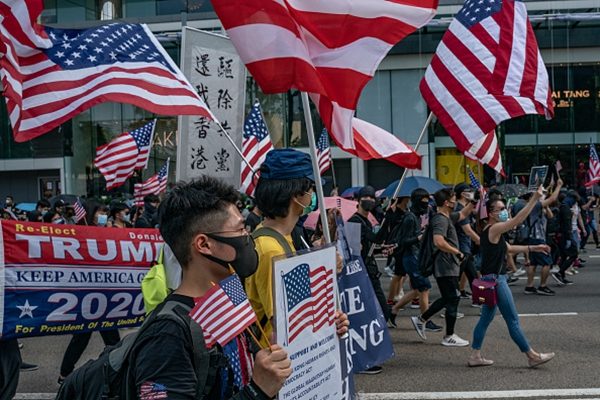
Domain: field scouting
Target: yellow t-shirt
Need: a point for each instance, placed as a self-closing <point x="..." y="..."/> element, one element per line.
<point x="259" y="286"/>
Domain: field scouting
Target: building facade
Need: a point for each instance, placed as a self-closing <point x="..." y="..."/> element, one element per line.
<point x="568" y="33"/>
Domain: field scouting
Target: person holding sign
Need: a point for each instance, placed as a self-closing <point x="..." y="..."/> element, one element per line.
<point x="285" y="191"/>
<point x="203" y="227"/>
<point x="494" y="250"/>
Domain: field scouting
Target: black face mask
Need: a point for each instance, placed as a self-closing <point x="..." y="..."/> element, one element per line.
<point x="421" y="208"/>
<point x="367" y="205"/>
<point x="245" y="262"/>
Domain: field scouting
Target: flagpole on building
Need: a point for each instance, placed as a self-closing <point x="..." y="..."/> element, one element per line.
<point x="237" y="149"/>
<point x="313" y="156"/>
<point x="405" y="172"/>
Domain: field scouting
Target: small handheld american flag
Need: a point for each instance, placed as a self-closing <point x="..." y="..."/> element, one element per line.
<point x="223" y="312"/>
<point x="79" y="211"/>
<point x="594" y="171"/>
<point x="256" y="144"/>
<point x="156" y="184"/>
<point x="323" y="152"/>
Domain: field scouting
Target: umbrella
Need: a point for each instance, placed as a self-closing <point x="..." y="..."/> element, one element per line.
<point x="512" y="190"/>
<point x="350" y="192"/>
<point x="346" y="207"/>
<point x="26" y="206"/>
<point x="67" y="198"/>
<point x="411" y="183"/>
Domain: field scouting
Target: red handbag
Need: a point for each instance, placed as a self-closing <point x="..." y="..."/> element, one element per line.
<point x="484" y="291"/>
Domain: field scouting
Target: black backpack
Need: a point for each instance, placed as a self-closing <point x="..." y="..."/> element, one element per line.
<point x="109" y="376"/>
<point x="427" y="252"/>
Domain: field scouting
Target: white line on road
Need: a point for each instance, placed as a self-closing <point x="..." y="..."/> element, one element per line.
<point x="558" y="314"/>
<point x="594" y="256"/>
<point x="482" y="395"/>
<point x="34" y="396"/>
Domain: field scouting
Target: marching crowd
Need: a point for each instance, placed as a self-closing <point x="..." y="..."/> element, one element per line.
<point x="465" y="233"/>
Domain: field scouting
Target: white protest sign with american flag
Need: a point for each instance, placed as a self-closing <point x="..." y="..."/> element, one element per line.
<point x="223" y="312"/>
<point x="50" y="75"/>
<point x="487" y="69"/>
<point x="305" y="289"/>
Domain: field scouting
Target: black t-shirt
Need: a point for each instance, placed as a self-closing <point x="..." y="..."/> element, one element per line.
<point x="163" y="363"/>
<point x="252" y="221"/>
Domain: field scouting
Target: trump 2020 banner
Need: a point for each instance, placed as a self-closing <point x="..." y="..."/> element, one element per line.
<point x="65" y="279"/>
<point x="305" y="292"/>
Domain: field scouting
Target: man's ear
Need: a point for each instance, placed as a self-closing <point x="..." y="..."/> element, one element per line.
<point x="201" y="244"/>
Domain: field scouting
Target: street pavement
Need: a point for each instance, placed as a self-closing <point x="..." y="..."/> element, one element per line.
<point x="568" y="324"/>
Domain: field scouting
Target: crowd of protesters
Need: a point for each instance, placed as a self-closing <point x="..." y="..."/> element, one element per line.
<point x="474" y="234"/>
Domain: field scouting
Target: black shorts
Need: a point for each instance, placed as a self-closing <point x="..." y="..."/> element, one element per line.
<point x="399" y="266"/>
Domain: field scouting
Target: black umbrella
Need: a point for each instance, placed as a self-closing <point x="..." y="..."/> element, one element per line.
<point x="67" y="198"/>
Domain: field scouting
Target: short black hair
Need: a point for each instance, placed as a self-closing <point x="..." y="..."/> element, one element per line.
<point x="489" y="205"/>
<point x="273" y="196"/>
<point x="151" y="198"/>
<point x="442" y="196"/>
<point x="117" y="208"/>
<point x="191" y="208"/>
<point x="495" y="194"/>
<point x="43" y="203"/>
<point x="47" y="218"/>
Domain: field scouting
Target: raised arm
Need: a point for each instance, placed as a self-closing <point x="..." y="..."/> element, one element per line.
<point x="554" y="196"/>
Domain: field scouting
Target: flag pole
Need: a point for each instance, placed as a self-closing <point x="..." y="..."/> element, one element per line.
<point x="332" y="168"/>
<point x="313" y="155"/>
<point x="237" y="149"/>
<point x="405" y="172"/>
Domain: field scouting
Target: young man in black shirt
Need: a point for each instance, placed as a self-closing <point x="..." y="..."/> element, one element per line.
<point x="203" y="227"/>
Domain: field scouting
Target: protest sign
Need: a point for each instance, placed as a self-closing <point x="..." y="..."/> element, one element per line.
<point x="213" y="67"/>
<point x="537" y="177"/>
<point x="64" y="279"/>
<point x="304" y="295"/>
<point x="370" y="342"/>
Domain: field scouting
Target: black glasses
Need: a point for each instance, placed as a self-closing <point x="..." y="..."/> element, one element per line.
<point x="501" y="209"/>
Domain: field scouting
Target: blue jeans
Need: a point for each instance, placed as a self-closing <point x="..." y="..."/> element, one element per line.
<point x="506" y="304"/>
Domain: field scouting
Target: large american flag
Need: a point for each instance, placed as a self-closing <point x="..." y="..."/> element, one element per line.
<point x="594" y="171"/>
<point x="309" y="299"/>
<point x="324" y="152"/>
<point x="127" y="152"/>
<point x="50" y="75"/>
<point x="223" y="312"/>
<point x="156" y="184"/>
<point x="330" y="49"/>
<point x="487" y="151"/>
<point x="486" y="69"/>
<point x="256" y="144"/>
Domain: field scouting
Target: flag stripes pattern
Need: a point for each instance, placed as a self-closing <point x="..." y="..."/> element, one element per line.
<point x="487" y="69"/>
<point x="594" y="170"/>
<point x="127" y="152"/>
<point x="310" y="303"/>
<point x="323" y="152"/>
<point x="79" y="211"/>
<point x="487" y="151"/>
<point x="256" y="143"/>
<point x="330" y="49"/>
<point x="156" y="184"/>
<point x="50" y="75"/>
<point x="224" y="312"/>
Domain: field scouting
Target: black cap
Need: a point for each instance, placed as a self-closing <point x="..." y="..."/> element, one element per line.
<point x="462" y="187"/>
<point x="366" y="191"/>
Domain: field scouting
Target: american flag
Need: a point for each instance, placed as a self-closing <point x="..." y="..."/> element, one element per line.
<point x="487" y="151"/>
<point x="79" y="211"/>
<point x="323" y="152"/>
<point x="329" y="49"/>
<point x="474" y="181"/>
<point x="224" y="312"/>
<point x="486" y="69"/>
<point x="127" y="152"/>
<point x="475" y="184"/>
<point x="156" y="184"/>
<point x="50" y="75"/>
<point x="309" y="299"/>
<point x="594" y="171"/>
<point x="255" y="146"/>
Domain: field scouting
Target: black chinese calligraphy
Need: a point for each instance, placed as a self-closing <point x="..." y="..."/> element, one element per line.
<point x="201" y="64"/>
<point x="202" y="126"/>
<point x="202" y="91"/>
<point x="222" y="159"/>
<point x="224" y="100"/>
<point x="226" y="128"/>
<point x="198" y="158"/>
<point x="224" y="70"/>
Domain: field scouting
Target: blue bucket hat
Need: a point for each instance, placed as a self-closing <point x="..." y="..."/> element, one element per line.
<point x="282" y="164"/>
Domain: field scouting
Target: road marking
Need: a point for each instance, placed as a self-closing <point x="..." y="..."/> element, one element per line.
<point x="34" y="396"/>
<point x="594" y="256"/>
<point x="482" y="395"/>
<point x="558" y="314"/>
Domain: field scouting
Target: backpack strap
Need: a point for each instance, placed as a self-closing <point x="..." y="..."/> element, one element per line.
<point x="272" y="233"/>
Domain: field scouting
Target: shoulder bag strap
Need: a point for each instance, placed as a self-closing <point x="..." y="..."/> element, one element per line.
<point x="264" y="231"/>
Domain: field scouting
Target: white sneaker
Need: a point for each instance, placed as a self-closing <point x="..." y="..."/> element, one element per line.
<point x="454" y="341"/>
<point x="419" y="327"/>
<point x="520" y="271"/>
<point x="554" y="269"/>
<point x="399" y="296"/>
<point x="458" y="315"/>
<point x="389" y="272"/>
